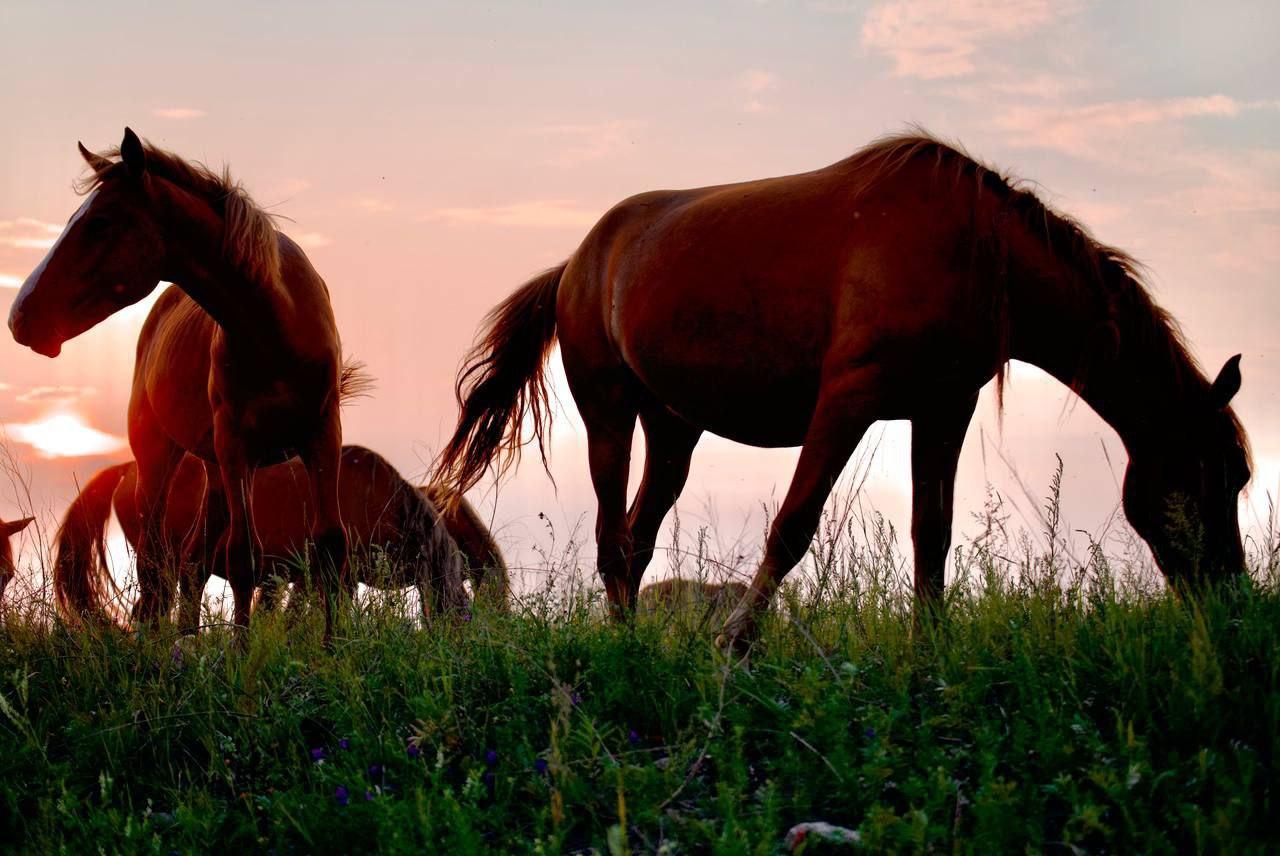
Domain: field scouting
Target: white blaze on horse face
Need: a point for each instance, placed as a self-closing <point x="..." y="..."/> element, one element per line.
<point x="33" y="281"/>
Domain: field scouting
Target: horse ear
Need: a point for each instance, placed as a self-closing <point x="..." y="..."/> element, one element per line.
<point x="9" y="529"/>
<point x="132" y="153"/>
<point x="1227" y="383"/>
<point x="97" y="163"/>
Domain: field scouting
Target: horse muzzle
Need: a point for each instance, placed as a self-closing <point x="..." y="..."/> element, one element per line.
<point x="19" y="326"/>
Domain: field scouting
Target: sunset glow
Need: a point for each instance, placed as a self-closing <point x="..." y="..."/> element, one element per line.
<point x="65" y="435"/>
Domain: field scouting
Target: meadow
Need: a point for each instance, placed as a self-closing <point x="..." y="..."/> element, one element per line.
<point x="1066" y="701"/>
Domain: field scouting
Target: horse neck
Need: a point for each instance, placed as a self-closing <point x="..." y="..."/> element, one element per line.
<point x="239" y="303"/>
<point x="1119" y="360"/>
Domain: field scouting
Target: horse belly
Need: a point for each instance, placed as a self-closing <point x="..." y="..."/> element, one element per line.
<point x="741" y="359"/>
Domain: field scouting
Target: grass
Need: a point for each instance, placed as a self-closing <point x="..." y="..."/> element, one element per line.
<point x="1057" y="706"/>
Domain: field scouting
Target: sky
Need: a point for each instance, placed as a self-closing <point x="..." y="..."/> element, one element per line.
<point x="431" y="157"/>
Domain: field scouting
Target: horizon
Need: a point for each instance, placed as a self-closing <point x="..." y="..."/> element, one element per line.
<point x="431" y="161"/>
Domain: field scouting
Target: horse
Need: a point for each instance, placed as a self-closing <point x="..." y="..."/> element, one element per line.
<point x="679" y="594"/>
<point x="798" y="310"/>
<point x="385" y="516"/>
<point x="239" y="363"/>
<point x="7" y="567"/>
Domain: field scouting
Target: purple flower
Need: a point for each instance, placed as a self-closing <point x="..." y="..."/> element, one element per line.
<point x="489" y="779"/>
<point x="414" y="750"/>
<point x="466" y="616"/>
<point x="375" y="771"/>
<point x="344" y="743"/>
<point x="491" y="758"/>
<point x="540" y="766"/>
<point x="340" y="795"/>
<point x="870" y="733"/>
<point x="633" y="737"/>
<point x="317" y="754"/>
<point x="368" y="795"/>
<point x="576" y="699"/>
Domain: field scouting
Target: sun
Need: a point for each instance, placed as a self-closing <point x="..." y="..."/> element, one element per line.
<point x="65" y="435"/>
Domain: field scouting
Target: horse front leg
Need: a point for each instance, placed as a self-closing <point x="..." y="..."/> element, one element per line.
<point x="323" y="461"/>
<point x="936" y="439"/>
<point x="243" y="552"/>
<point x="157" y="459"/>
<point x="204" y="554"/>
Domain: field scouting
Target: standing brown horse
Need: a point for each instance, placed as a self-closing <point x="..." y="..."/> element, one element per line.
<point x="383" y="513"/>
<point x="7" y="568"/>
<point x="799" y="310"/>
<point x="239" y="363"/>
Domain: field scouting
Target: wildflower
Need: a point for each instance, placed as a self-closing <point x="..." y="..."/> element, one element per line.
<point x="344" y="743"/>
<point x="375" y="771"/>
<point x="540" y="766"/>
<point x="633" y="737"/>
<point x="317" y="754"/>
<point x="491" y="758"/>
<point x="870" y="733"/>
<point x="489" y="780"/>
<point x="466" y="616"/>
<point x="576" y="699"/>
<point x="341" y="795"/>
<point x="414" y="750"/>
<point x="368" y="795"/>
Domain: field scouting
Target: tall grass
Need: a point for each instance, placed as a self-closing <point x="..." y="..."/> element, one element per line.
<point x="1064" y="702"/>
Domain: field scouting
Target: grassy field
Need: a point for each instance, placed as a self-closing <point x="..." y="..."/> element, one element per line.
<point x="1058" y="706"/>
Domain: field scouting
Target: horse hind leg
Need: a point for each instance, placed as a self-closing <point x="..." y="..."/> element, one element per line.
<point x="610" y="429"/>
<point x="840" y="419"/>
<point x="669" y="445"/>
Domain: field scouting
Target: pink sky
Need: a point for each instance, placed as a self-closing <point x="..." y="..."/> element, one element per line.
<point x="431" y="159"/>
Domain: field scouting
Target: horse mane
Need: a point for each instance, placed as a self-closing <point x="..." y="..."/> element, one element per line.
<point x="250" y="242"/>
<point x="354" y="381"/>
<point x="1115" y="279"/>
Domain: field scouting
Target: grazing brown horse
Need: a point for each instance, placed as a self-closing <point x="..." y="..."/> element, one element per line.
<point x="799" y="310"/>
<point x="7" y="568"/>
<point x="239" y="363"/>
<point x="383" y="513"/>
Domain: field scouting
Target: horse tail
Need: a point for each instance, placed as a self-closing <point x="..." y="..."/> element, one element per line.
<point x="82" y="578"/>
<point x="486" y="568"/>
<point x="502" y="379"/>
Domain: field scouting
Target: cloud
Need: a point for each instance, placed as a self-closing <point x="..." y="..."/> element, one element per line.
<point x="576" y="143"/>
<point x="933" y="39"/>
<point x="55" y="394"/>
<point x="535" y="214"/>
<point x="64" y="435"/>
<point x="177" y="113"/>
<point x="311" y="240"/>
<point x="27" y="233"/>
<point x="374" y="205"/>
<point x="1090" y="130"/>
<point x="755" y="84"/>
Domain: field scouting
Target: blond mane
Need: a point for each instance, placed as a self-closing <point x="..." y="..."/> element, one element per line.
<point x="250" y="241"/>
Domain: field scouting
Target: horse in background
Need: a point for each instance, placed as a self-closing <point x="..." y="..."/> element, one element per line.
<point x="676" y="595"/>
<point x="386" y="517"/>
<point x="7" y="568"/>
<point x="799" y="310"/>
<point x="239" y="363"/>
